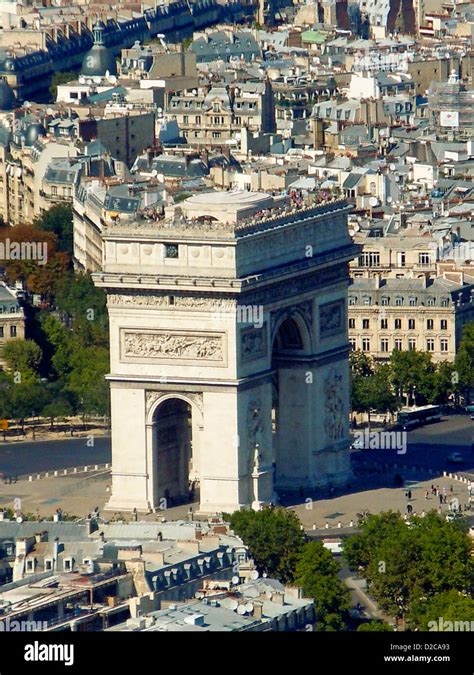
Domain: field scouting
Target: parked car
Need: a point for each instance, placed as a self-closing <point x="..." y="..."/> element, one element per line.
<point x="358" y="444"/>
<point x="456" y="458"/>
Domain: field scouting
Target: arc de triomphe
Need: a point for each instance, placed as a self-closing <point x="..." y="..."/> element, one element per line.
<point x="229" y="351"/>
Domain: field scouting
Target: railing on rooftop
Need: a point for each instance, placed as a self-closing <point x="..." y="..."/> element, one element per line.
<point x="261" y="220"/>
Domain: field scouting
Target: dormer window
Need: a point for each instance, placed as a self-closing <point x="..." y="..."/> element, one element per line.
<point x="68" y="564"/>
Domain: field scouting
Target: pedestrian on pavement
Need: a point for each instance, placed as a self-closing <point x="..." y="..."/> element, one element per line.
<point x="409" y="494"/>
<point x="409" y="509"/>
<point x="440" y="498"/>
<point x="427" y="494"/>
<point x="451" y="488"/>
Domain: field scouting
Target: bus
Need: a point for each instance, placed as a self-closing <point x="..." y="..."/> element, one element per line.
<point x="409" y="418"/>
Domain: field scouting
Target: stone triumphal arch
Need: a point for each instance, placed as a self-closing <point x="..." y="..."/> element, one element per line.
<point x="229" y="351"/>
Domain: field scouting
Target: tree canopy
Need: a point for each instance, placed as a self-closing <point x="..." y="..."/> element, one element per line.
<point x="317" y="573"/>
<point x="404" y="562"/>
<point x="274" y="538"/>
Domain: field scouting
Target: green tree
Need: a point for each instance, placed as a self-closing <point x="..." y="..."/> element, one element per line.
<point x="448" y="606"/>
<point x="84" y="307"/>
<point x="412" y="375"/>
<point x="28" y="399"/>
<point x="59" y="221"/>
<point x="57" y="342"/>
<point x="464" y="361"/>
<point x="87" y="380"/>
<point x="370" y="386"/>
<point x="6" y="385"/>
<point x="444" y="383"/>
<point x="274" y="538"/>
<point x="317" y="573"/>
<point x="59" y="407"/>
<point x="24" y="357"/>
<point x="374" y="627"/>
<point x="60" y="78"/>
<point x="404" y="563"/>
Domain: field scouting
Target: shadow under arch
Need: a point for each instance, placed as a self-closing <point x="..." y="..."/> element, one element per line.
<point x="171" y="421"/>
<point x="291" y="347"/>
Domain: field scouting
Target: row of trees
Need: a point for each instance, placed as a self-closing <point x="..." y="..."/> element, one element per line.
<point x="417" y="571"/>
<point x="59" y="370"/>
<point x="411" y="378"/>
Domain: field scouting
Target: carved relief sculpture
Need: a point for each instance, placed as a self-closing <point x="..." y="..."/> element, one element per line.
<point x="255" y="429"/>
<point x="254" y="343"/>
<point x="334" y="406"/>
<point x="331" y="318"/>
<point x="166" y="345"/>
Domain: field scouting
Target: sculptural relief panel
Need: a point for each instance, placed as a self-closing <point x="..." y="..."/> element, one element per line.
<point x="170" y="346"/>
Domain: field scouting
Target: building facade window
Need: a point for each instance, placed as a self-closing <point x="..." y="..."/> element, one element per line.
<point x="443" y="324"/>
<point x="366" y="345"/>
<point x="430" y="345"/>
<point x="443" y="344"/>
<point x="13" y="331"/>
<point x="429" y="324"/>
<point x="412" y="344"/>
<point x="424" y="259"/>
<point x="398" y="345"/>
<point x="384" y="324"/>
<point x="352" y="323"/>
<point x="365" y="324"/>
<point x="398" y="324"/>
<point x="369" y="259"/>
<point x="384" y="345"/>
<point x="411" y="324"/>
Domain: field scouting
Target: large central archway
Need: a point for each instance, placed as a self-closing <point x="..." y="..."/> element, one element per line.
<point x="173" y="448"/>
<point x="290" y="403"/>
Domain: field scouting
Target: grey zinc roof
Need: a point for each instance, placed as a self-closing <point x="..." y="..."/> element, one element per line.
<point x="65" y="531"/>
<point x="62" y="171"/>
<point x="352" y="180"/>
